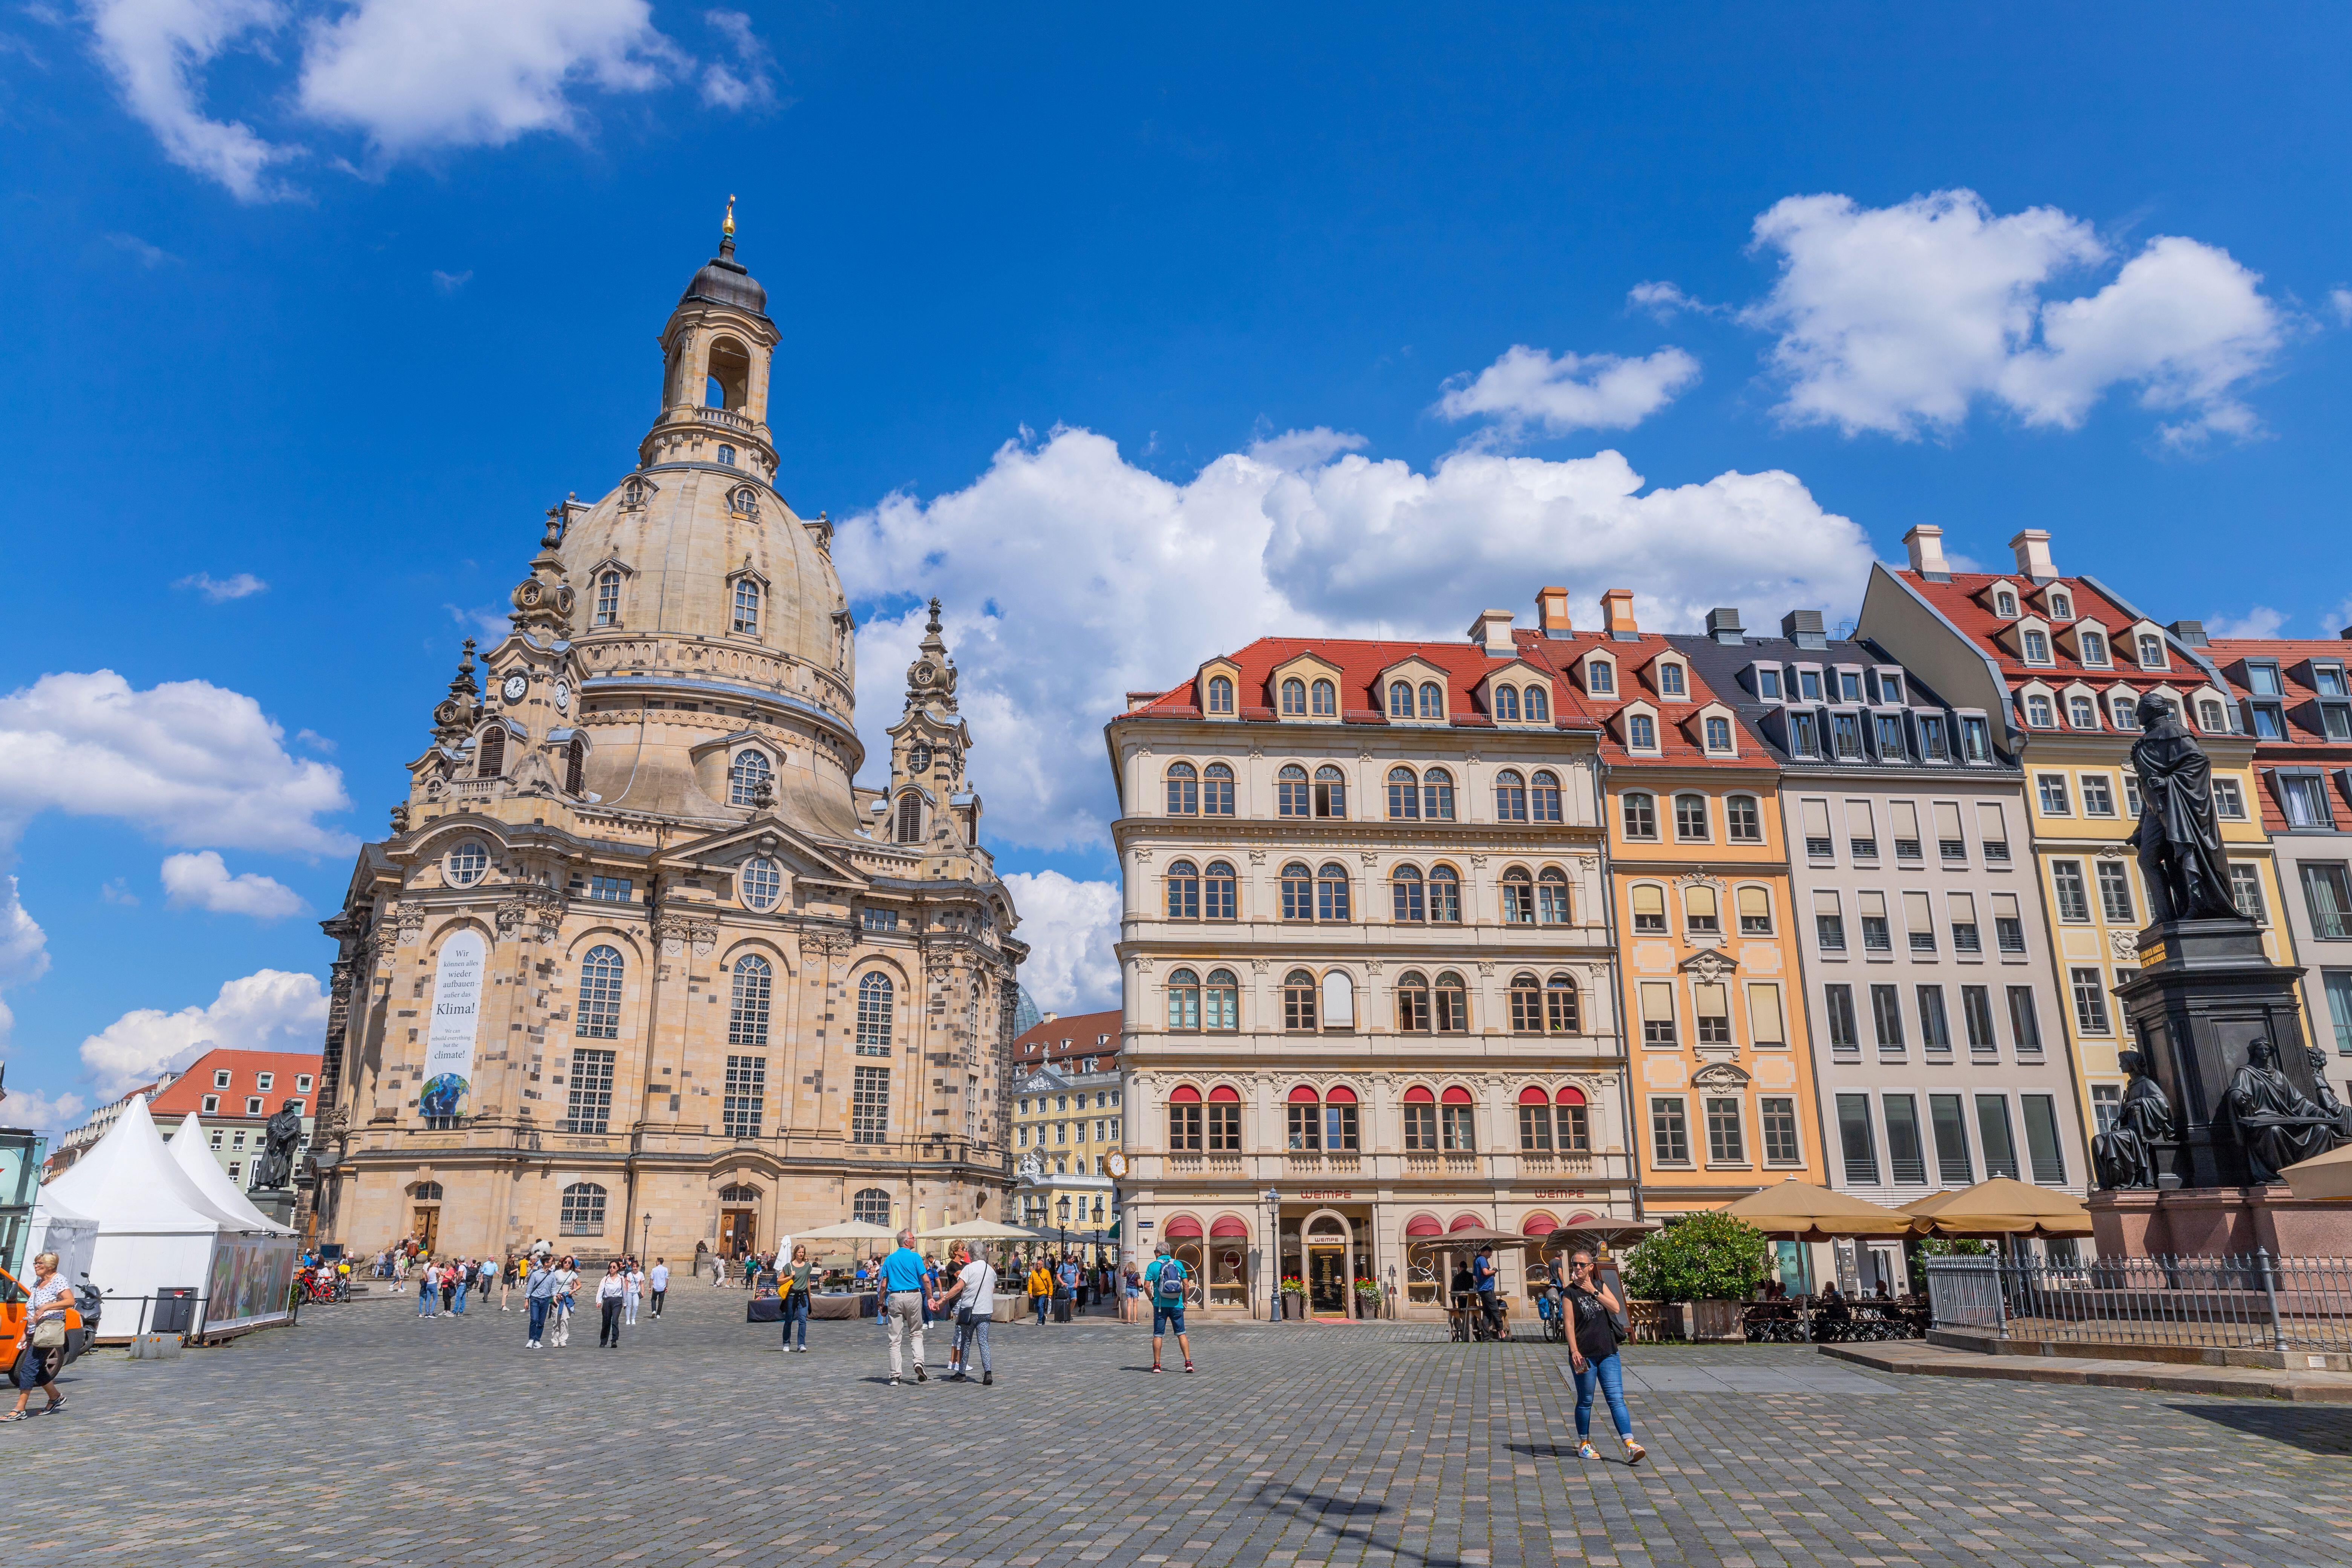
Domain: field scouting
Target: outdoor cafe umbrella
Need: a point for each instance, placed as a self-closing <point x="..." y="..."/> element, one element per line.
<point x="2002" y="1206"/>
<point x="2327" y="1176"/>
<point x="1804" y="1212"/>
<point x="981" y="1230"/>
<point x="847" y="1230"/>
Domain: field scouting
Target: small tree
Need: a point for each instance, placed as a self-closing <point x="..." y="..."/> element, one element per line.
<point x="1698" y="1258"/>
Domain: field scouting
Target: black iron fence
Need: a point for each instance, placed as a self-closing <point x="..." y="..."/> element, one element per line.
<point x="2245" y="1301"/>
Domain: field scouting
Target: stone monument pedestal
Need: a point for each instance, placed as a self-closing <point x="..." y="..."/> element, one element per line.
<point x="277" y="1202"/>
<point x="2212" y="1222"/>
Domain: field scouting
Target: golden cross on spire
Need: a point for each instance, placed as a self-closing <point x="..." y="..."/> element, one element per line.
<point x="728" y="229"/>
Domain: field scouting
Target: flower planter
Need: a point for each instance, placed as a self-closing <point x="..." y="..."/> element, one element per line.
<point x="1717" y="1321"/>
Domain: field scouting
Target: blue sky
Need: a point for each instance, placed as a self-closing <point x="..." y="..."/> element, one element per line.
<point x="1131" y="338"/>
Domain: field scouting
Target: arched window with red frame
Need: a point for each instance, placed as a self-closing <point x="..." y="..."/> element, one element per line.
<point x="1574" y="1123"/>
<point x="1225" y="1120"/>
<point x="1534" y="1121"/>
<point x="1183" y="1120"/>
<point x="1420" y="1122"/>
<point x="1457" y="1132"/>
<point x="1340" y="1122"/>
<point x="1305" y="1109"/>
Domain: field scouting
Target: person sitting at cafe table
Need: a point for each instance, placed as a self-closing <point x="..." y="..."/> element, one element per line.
<point x="1833" y="1303"/>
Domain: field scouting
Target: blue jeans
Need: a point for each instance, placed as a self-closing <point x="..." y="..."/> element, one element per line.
<point x="796" y="1308"/>
<point x="1610" y="1375"/>
<point x="975" y="1343"/>
<point x="458" y="1307"/>
<point x="538" y="1318"/>
<point x="1167" y="1320"/>
<point x="425" y="1302"/>
<point x="1041" y="1304"/>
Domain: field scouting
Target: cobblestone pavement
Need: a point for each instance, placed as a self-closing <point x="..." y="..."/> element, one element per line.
<point x="367" y="1435"/>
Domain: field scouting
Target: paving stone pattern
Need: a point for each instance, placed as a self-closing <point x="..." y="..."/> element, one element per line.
<point x="366" y="1436"/>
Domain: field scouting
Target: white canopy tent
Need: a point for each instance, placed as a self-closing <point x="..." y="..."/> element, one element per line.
<point x="62" y="1228"/>
<point x="196" y="1157"/>
<point x="158" y="1230"/>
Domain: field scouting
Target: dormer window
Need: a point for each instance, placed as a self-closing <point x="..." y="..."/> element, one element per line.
<point x="608" y="599"/>
<point x="2039" y="713"/>
<point x="1809" y="684"/>
<point x="1718" y="734"/>
<point x="1849" y="683"/>
<point x="2005" y="604"/>
<point x="744" y="502"/>
<point x="1768" y="683"/>
<point x="1600" y="677"/>
<point x="1641" y="733"/>
<point x="2124" y="709"/>
<point x="1400" y="699"/>
<point x="1669" y="680"/>
<point x="1294" y="697"/>
<point x="1506" y="704"/>
<point x="2263" y="679"/>
<point x="1220" y="695"/>
<point x="1890" y="738"/>
<point x="726" y="455"/>
<point x="1804" y="734"/>
<point x="1890" y="687"/>
<point x="2061" y="606"/>
<point x="2081" y="713"/>
<point x="1539" y="705"/>
<point x="747" y="776"/>
<point x="1933" y="744"/>
<point x="1432" y="700"/>
<point x="2151" y="651"/>
<point x="2328" y="680"/>
<point x="2210" y="717"/>
<point x="2094" y="646"/>
<point x="2036" y="644"/>
<point x="1325" y="698"/>
<point x="747" y="606"/>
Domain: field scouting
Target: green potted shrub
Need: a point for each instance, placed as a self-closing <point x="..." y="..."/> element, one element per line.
<point x="1712" y="1261"/>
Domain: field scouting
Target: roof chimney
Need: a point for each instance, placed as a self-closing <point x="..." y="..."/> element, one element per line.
<point x="1551" y="611"/>
<point x="1723" y="626"/>
<point x="1926" y="542"/>
<point x="2191" y="633"/>
<point x="1492" y="632"/>
<point x="1803" y="628"/>
<point x="1617" y="615"/>
<point x="2032" y="547"/>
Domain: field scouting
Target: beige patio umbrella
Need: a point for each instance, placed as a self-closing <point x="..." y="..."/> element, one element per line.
<point x="2327" y="1176"/>
<point x="1804" y="1212"/>
<point x="981" y="1230"/>
<point x="847" y="1230"/>
<point x="2002" y="1206"/>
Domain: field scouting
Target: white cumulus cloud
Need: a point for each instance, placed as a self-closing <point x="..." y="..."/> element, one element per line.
<point x="24" y="949"/>
<point x="1069" y="926"/>
<point x="185" y="760"/>
<point x="202" y="879"/>
<point x="220" y="590"/>
<point x="1900" y="319"/>
<point x="1528" y="386"/>
<point x="157" y="50"/>
<point x="50" y="1114"/>
<point x="270" y="1010"/>
<point x="2261" y="621"/>
<point x="744" y="83"/>
<point x="1071" y="576"/>
<point x="412" y="75"/>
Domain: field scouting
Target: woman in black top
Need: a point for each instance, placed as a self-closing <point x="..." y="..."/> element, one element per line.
<point x="1593" y="1356"/>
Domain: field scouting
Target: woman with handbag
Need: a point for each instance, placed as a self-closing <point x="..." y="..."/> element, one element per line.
<point x="44" y="1354"/>
<point x="1595" y="1314"/>
<point x="973" y="1296"/>
<point x="795" y="1280"/>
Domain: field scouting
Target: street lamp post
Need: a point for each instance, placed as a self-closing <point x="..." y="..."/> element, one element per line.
<point x="1274" y="1253"/>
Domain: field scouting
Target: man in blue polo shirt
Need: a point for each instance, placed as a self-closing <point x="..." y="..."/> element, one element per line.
<point x="902" y="1304"/>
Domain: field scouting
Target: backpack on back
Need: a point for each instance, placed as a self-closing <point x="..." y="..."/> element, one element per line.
<point x="1168" y="1285"/>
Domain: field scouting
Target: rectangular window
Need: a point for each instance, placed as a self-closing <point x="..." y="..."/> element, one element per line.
<point x="2023" y="1025"/>
<point x="1804" y="735"/>
<point x="1183" y="1129"/>
<point x="1657" y="1013"/>
<point x="1886" y="1016"/>
<point x="1818" y="843"/>
<point x="1877" y="936"/>
<point x="1535" y="1129"/>
<point x="1976" y="1010"/>
<point x="1961" y="909"/>
<point x="1951" y="1125"/>
<point x="2327" y="892"/>
<point x="1905" y="824"/>
<point x="1933" y="744"/>
<point x="746" y="1096"/>
<point x="2304" y="798"/>
<point x="1764" y="1024"/>
<point x="2007" y="923"/>
<point x="1935" y="1029"/>
<point x="1669" y="1134"/>
<point x="2106" y="1104"/>
<point x="591" y="1105"/>
<point x="1711" y="1007"/>
<point x="610" y="890"/>
<point x="2337" y="984"/>
<point x="2073" y="897"/>
<point x="1829" y="925"/>
<point x="1993" y="1136"/>
<point x="2043" y="1149"/>
<point x="1306" y="1126"/>
<point x="2090" y="1002"/>
<point x="2246" y="891"/>
<point x="1455" y="1123"/>
<point x="1224" y="1126"/>
<point x="880" y="920"/>
<point x="2228" y="799"/>
<point x="1779" y="1118"/>
<point x="2098" y="800"/>
<point x="2114" y="892"/>
<point x="1846" y="732"/>
<point x="1420" y="1128"/>
<point x="2052" y="791"/>
<point x="869" y="1106"/>
<point x="1855" y="1138"/>
<point x="1726" y="1144"/>
<point x="1906" y="1160"/>
<point x="1919" y="923"/>
<point x="1861" y="830"/>
<point x="1992" y="832"/>
<point x="1976" y="739"/>
<point x="1838" y="1004"/>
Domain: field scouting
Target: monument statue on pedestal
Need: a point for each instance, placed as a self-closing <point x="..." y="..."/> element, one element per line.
<point x="2126" y="1152"/>
<point x="2322" y="1094"/>
<point x="2178" y="839"/>
<point x="2274" y="1122"/>
<point x="275" y="1169"/>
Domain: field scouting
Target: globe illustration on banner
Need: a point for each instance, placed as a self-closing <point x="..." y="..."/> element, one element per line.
<point x="444" y="1095"/>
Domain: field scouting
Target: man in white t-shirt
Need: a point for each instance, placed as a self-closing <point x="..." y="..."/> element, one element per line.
<point x="973" y="1296"/>
<point x="659" y="1280"/>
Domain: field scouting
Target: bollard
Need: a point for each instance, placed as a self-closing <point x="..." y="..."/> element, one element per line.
<point x="2270" y="1294"/>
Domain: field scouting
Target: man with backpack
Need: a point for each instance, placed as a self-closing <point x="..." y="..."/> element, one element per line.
<point x="1164" y="1281"/>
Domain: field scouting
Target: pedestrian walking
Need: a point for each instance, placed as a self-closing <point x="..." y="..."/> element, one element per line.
<point x="795" y="1283"/>
<point x="1066" y="1279"/>
<point x="902" y="1299"/>
<point x="1131" y="1294"/>
<point x="633" y="1285"/>
<point x="539" y="1289"/>
<point x="1165" y="1279"/>
<point x="506" y="1281"/>
<point x="1041" y="1288"/>
<point x="43" y="1355"/>
<point x="567" y="1288"/>
<point x="659" y="1280"/>
<point x="973" y="1298"/>
<point x="429" y="1292"/>
<point x="448" y="1275"/>
<point x="461" y="1277"/>
<point x="612" y="1293"/>
<point x="1593" y="1356"/>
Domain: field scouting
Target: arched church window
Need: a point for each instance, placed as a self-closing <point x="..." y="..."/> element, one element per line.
<point x="468" y="862"/>
<point x="910" y="817"/>
<point x="575" y="766"/>
<point x="490" y="752"/>
<point x="726" y="455"/>
<point x="875" y="998"/>
<point x="762" y="884"/>
<point x="608" y="599"/>
<point x="632" y="494"/>
<point x="748" y="771"/>
<point x="747" y="606"/>
<point x="747" y="1013"/>
<point x="599" y="1012"/>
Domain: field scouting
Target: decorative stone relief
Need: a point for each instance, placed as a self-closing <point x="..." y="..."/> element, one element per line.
<point x="2124" y="944"/>
<point x="410" y="917"/>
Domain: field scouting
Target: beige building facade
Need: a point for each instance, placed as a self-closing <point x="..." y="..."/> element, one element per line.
<point x="640" y="967"/>
<point x="1368" y="968"/>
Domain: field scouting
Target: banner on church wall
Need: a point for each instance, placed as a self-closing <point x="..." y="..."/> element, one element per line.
<point x="449" y="1042"/>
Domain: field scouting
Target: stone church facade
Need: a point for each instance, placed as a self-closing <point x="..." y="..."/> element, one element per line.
<point x="640" y="967"/>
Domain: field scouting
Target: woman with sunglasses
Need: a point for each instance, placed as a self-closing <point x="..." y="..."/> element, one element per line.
<point x="1593" y="1356"/>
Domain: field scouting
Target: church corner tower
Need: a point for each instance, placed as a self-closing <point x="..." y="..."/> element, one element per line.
<point x="638" y="943"/>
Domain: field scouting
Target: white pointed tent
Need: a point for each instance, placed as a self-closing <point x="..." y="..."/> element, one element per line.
<point x="62" y="1228"/>
<point x="196" y="1157"/>
<point x="157" y="1227"/>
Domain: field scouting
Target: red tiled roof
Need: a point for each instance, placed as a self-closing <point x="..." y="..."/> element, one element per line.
<point x="187" y="1092"/>
<point x="1678" y="741"/>
<point x="2304" y="746"/>
<point x="1961" y="604"/>
<point x="1077" y="1034"/>
<point x="1361" y="664"/>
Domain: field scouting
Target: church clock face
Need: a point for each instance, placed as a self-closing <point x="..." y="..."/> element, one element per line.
<point x="563" y="694"/>
<point x="1116" y="1165"/>
<point x="514" y="685"/>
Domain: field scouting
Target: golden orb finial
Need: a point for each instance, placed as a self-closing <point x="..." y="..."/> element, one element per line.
<point x="728" y="229"/>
